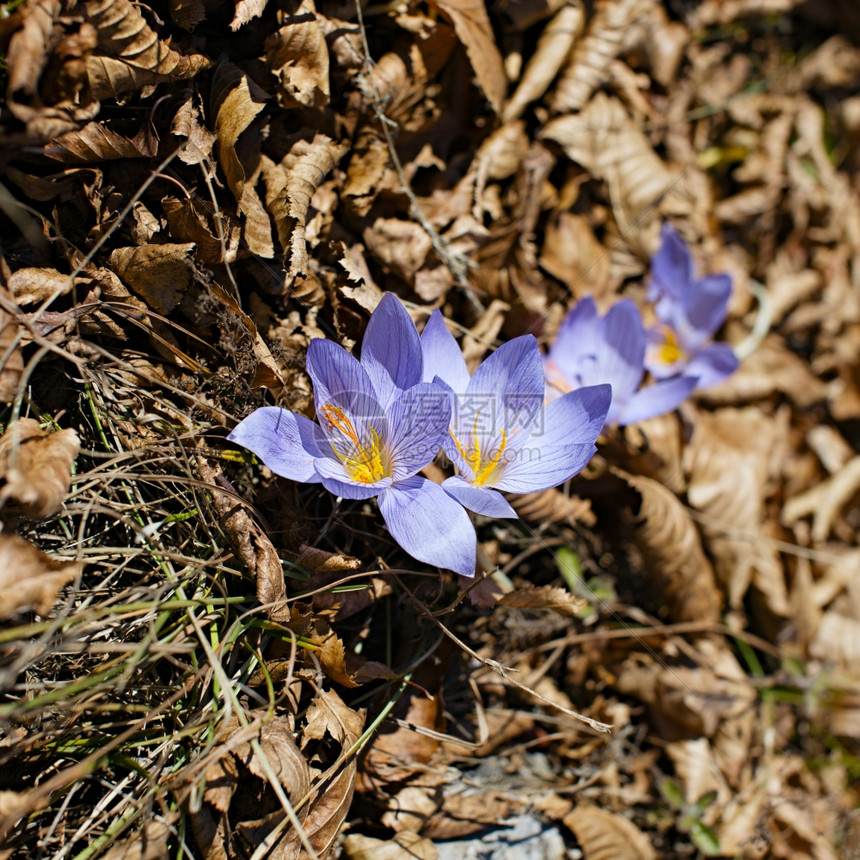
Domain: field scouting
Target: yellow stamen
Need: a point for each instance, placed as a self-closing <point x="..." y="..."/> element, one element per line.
<point x="486" y="471"/>
<point x="482" y="470"/>
<point x="670" y="350"/>
<point x="364" y="462"/>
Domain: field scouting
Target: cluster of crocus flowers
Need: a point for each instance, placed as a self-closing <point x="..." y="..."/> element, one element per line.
<point x="384" y="418"/>
<point x="678" y="351"/>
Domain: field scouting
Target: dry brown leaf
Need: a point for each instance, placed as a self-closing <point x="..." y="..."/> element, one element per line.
<point x="188" y="13"/>
<point x="730" y="460"/>
<point x="297" y="56"/>
<point x="673" y="555"/>
<point x="589" y="65"/>
<point x="553" y="506"/>
<point x="10" y="349"/>
<point x="247" y="10"/>
<point x="405" y="845"/>
<point x="188" y="123"/>
<point x="837" y="640"/>
<point x="159" y="274"/>
<point x="605" y="835"/>
<point x="329" y="716"/>
<point x="236" y="102"/>
<point x="607" y="142"/>
<point x="130" y="54"/>
<point x="544" y="597"/>
<point x="96" y="142"/>
<point x="28" y="52"/>
<point x="282" y="755"/>
<point x="36" y="468"/>
<point x="825" y="501"/>
<point x="473" y="29"/>
<point x="30" y="286"/>
<point x="290" y="186"/>
<point x="552" y="50"/>
<point x="400" y="246"/>
<point x="29" y="579"/>
<point x="572" y="254"/>
<point x="188" y="221"/>
<point x="252" y="545"/>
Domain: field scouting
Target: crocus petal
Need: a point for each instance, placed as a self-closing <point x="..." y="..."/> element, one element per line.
<point x="664" y="396"/>
<point x="337" y="480"/>
<point x="430" y="525"/>
<point x="621" y="352"/>
<point x="510" y="382"/>
<point x="706" y="304"/>
<point x="578" y="337"/>
<point x="442" y="355"/>
<point x="341" y="382"/>
<point x="712" y="364"/>
<point x="391" y="350"/>
<point x="287" y="443"/>
<point x="417" y="426"/>
<point x="481" y="500"/>
<point x="572" y="425"/>
<point x="671" y="267"/>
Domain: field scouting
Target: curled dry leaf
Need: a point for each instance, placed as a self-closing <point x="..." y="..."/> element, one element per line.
<point x="607" y="142"/>
<point x="130" y="55"/>
<point x="29" y="579"/>
<point x="553" y="506"/>
<point x="188" y="123"/>
<point x="35" y="467"/>
<point x="328" y="716"/>
<point x="147" y="844"/>
<point x="290" y="186"/>
<point x="729" y="461"/>
<point x="473" y="29"/>
<point x="247" y="10"/>
<point x="188" y="221"/>
<point x="672" y="550"/>
<point x="159" y="274"/>
<point x="31" y="285"/>
<point x="605" y="835"/>
<point x="405" y="845"/>
<point x="589" y="66"/>
<point x="96" y="142"/>
<point x="544" y="597"/>
<point x="250" y="542"/>
<point x="297" y="56"/>
<point x="236" y="102"/>
<point x="552" y="50"/>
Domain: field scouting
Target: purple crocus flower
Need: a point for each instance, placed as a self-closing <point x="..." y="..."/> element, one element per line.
<point x="590" y="349"/>
<point x="502" y="436"/>
<point x="379" y="425"/>
<point x="689" y="314"/>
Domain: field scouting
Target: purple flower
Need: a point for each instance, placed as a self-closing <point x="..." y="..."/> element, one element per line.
<point x="502" y="436"/>
<point x="690" y="312"/>
<point x="590" y="349"/>
<point x="379" y="425"/>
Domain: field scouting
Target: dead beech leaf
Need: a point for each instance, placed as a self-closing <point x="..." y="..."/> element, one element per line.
<point x="13" y="362"/>
<point x="729" y="461"/>
<point x="605" y="835"/>
<point x="159" y="274"/>
<point x="189" y="222"/>
<point x="31" y="285"/>
<point x="28" y="52"/>
<point x="329" y="716"/>
<point x="247" y="10"/>
<point x="607" y="142"/>
<point x="825" y="501"/>
<point x="400" y="246"/>
<point x="297" y="55"/>
<point x="290" y="186"/>
<point x="35" y="467"/>
<point x="404" y="845"/>
<point x="96" y="142"/>
<point x="252" y="545"/>
<point x="130" y="55"/>
<point x="236" y="102"/>
<point x="29" y="579"/>
<point x="553" y="506"/>
<point x="672" y="550"/>
<point x="473" y="29"/>
<point x="552" y="50"/>
<point x="188" y="123"/>
<point x="282" y="755"/>
<point x="589" y="65"/>
<point x="543" y="597"/>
